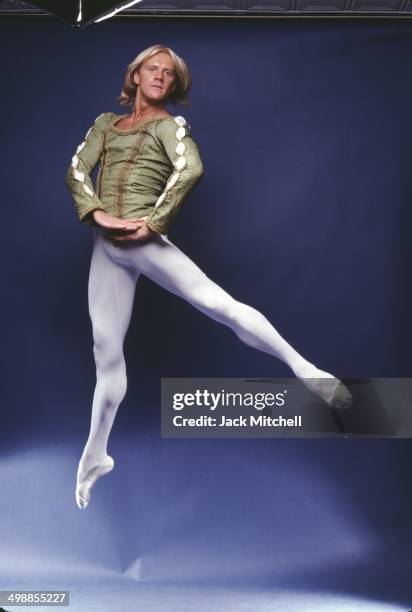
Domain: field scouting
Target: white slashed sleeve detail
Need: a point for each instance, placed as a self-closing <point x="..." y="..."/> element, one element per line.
<point x="184" y="156"/>
<point x="78" y="179"/>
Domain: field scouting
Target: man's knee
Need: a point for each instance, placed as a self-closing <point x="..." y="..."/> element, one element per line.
<point x="221" y="304"/>
<point x="105" y="339"/>
<point x="108" y="353"/>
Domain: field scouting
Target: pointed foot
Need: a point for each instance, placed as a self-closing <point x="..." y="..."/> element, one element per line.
<point x="85" y="482"/>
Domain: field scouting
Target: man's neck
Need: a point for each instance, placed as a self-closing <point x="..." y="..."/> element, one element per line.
<point x="144" y="110"/>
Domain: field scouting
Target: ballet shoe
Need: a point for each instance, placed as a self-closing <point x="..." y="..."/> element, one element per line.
<point x="329" y="388"/>
<point x="341" y="398"/>
<point x="85" y="484"/>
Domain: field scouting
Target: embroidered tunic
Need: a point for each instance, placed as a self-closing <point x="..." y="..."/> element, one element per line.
<point x="145" y="171"/>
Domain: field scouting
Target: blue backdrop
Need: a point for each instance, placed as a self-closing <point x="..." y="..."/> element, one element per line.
<point x="304" y="213"/>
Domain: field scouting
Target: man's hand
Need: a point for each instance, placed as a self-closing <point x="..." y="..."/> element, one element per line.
<point x="107" y="221"/>
<point x="141" y="232"/>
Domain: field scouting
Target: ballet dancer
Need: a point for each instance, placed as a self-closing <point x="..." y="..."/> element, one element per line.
<point x="149" y="163"/>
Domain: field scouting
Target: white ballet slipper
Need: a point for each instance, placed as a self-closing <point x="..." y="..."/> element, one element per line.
<point x="341" y="397"/>
<point x="85" y="484"/>
<point x="329" y="388"/>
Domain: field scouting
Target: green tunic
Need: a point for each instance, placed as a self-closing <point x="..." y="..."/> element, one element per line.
<point x="145" y="171"/>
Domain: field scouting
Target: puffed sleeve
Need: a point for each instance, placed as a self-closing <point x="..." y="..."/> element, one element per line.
<point x="183" y="154"/>
<point x="78" y="178"/>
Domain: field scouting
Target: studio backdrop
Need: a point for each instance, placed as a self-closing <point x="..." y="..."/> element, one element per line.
<point x="303" y="212"/>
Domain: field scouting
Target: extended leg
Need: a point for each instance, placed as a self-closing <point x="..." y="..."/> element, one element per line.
<point x="111" y="293"/>
<point x="168" y="266"/>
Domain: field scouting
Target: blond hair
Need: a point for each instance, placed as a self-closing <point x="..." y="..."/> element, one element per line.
<point x="183" y="79"/>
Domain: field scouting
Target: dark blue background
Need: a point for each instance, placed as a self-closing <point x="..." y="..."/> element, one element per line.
<point x="303" y="212"/>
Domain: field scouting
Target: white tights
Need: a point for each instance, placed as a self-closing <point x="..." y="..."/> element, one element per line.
<point x="113" y="275"/>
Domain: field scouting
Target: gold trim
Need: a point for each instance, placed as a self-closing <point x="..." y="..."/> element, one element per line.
<point x="124" y="172"/>
<point x="102" y="166"/>
<point x="136" y="127"/>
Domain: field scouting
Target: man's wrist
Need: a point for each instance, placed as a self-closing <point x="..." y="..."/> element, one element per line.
<point x="95" y="211"/>
<point x="151" y="226"/>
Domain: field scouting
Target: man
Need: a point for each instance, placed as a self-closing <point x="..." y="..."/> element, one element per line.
<point x="149" y="164"/>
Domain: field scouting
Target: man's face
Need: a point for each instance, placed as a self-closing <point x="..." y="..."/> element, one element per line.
<point x="156" y="77"/>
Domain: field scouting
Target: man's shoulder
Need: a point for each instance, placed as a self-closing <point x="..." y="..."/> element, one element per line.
<point x="179" y="120"/>
<point x="174" y="125"/>
<point x="105" y="118"/>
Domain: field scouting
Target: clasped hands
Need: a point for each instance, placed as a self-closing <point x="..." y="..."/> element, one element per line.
<point x="120" y="230"/>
